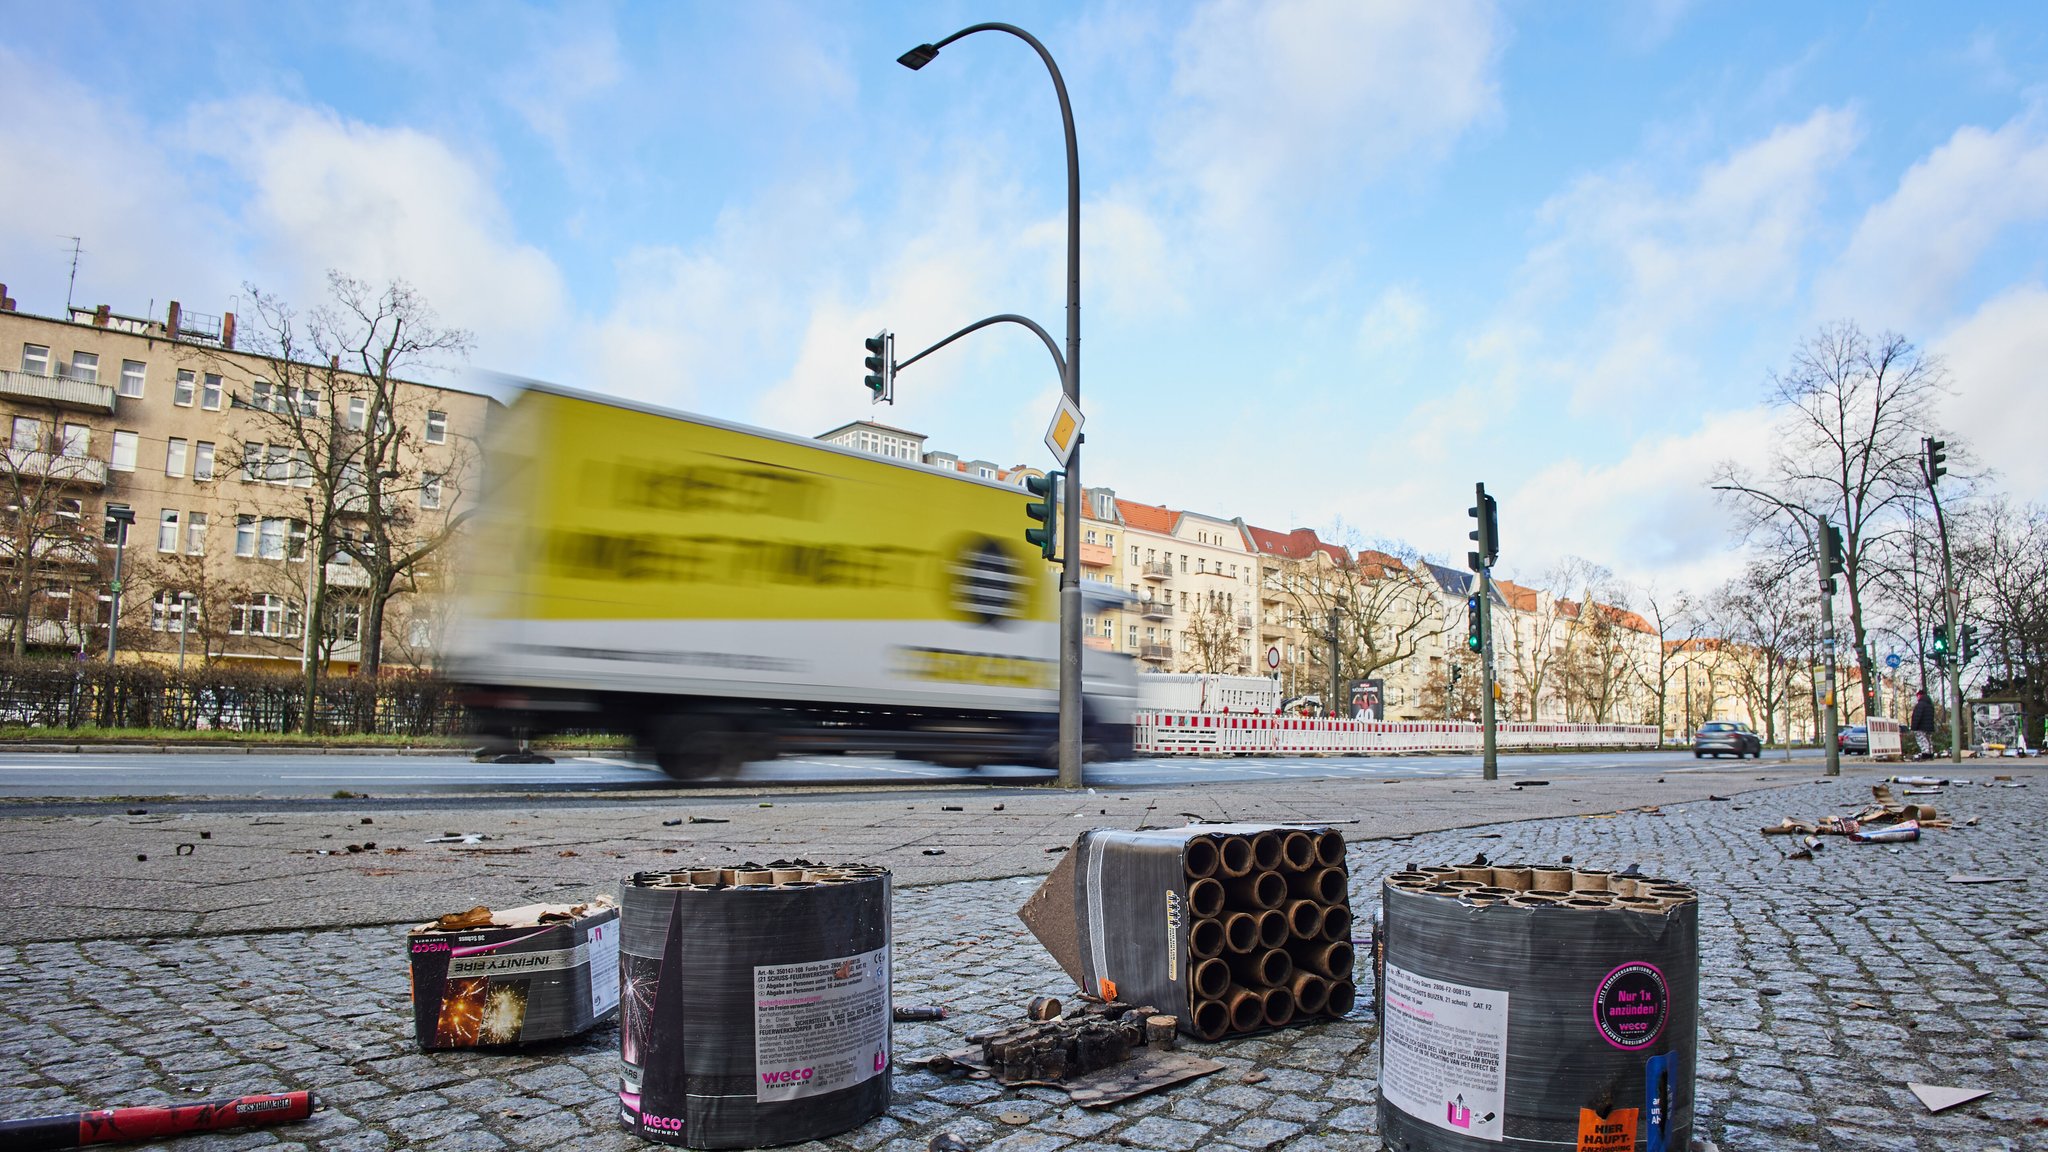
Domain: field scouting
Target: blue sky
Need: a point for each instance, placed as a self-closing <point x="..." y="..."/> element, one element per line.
<point x="1340" y="259"/>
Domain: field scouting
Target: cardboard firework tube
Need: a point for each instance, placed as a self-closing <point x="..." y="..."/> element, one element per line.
<point x="1211" y="979"/>
<point x="1161" y="1032"/>
<point x="1336" y="923"/>
<point x="1043" y="1008"/>
<point x="1263" y="970"/>
<point x="1205" y="897"/>
<point x="1588" y="902"/>
<point x="1330" y="849"/>
<point x="1211" y="1019"/>
<point x="1551" y="879"/>
<point x="1240" y="932"/>
<point x="1234" y="857"/>
<point x="763" y="876"/>
<point x="1257" y="891"/>
<point x="1205" y="938"/>
<point x="1600" y="894"/>
<point x="120" y="1125"/>
<point x="1305" y="918"/>
<point x="1331" y="960"/>
<point x="1279" y="1006"/>
<point x="1643" y="903"/>
<point x="1273" y="928"/>
<point x="1297" y="851"/>
<point x="1593" y="879"/>
<point x="1538" y="899"/>
<point x="1311" y="992"/>
<point x="1247" y="1008"/>
<point x="1327" y="885"/>
<point x="1622" y="885"/>
<point x="1515" y="878"/>
<point x="1199" y="857"/>
<point x="1266" y="850"/>
<point x="1479" y="876"/>
<point x="1343" y="997"/>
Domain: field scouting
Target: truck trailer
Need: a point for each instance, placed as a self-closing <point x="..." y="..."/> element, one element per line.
<point x="722" y="594"/>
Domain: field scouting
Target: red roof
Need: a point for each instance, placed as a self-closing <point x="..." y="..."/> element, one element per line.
<point x="1519" y="598"/>
<point x="1299" y="544"/>
<point x="1148" y="517"/>
<point x="1381" y="561"/>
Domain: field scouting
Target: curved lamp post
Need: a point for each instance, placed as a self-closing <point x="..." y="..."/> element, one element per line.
<point x="1070" y="381"/>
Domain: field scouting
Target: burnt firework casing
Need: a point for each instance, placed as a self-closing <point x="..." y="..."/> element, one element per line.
<point x="754" y="1014"/>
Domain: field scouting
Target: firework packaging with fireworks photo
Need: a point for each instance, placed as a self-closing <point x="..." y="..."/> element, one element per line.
<point x="486" y="978"/>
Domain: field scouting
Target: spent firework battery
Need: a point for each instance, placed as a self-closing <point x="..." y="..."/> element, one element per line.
<point x="122" y="1125"/>
<point x="1526" y="1006"/>
<point x="756" y="1003"/>
<point x="541" y="972"/>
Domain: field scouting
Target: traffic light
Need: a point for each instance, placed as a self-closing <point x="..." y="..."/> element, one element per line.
<point x="1045" y="510"/>
<point x="1834" y="553"/>
<point x="881" y="364"/>
<point x="1486" y="534"/>
<point x="1935" y="465"/>
<point x="1474" y="632"/>
<point x="1940" y="650"/>
<point x="1966" y="642"/>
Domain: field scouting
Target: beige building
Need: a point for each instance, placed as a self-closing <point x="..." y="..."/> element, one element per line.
<point x="236" y="468"/>
<point x="1191" y="582"/>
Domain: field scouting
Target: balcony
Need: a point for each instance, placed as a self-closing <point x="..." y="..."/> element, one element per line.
<point x="1244" y="622"/>
<point x="346" y="576"/>
<point x="1097" y="555"/>
<point x="1156" y="653"/>
<point x="1156" y="609"/>
<point x="1157" y="570"/>
<point x="1273" y="626"/>
<point x="60" y="390"/>
<point x="57" y="469"/>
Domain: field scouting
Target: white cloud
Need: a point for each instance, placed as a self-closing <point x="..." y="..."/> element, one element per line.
<point x="1995" y="359"/>
<point x="575" y="59"/>
<point x="1293" y="100"/>
<point x="1910" y="251"/>
<point x="1393" y="322"/>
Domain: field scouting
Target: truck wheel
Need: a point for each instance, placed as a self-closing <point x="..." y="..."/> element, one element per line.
<point x="696" y="747"/>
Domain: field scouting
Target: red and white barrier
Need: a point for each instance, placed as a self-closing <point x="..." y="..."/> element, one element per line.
<point x="1226" y="734"/>
<point x="1886" y="742"/>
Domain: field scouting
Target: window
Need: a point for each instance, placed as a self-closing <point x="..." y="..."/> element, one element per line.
<point x="302" y="468"/>
<point x="345" y="621"/>
<point x="1134" y="636"/>
<point x="195" y="534"/>
<point x="169" y="611"/>
<point x="430" y="490"/>
<point x="77" y="440"/>
<point x="270" y="539"/>
<point x="28" y="434"/>
<point x="245" y="535"/>
<point x="437" y="427"/>
<point x="252" y="460"/>
<point x="175" y="451"/>
<point x="1109" y="538"/>
<point x="1088" y="536"/>
<point x="277" y="464"/>
<point x="35" y="359"/>
<point x="419" y="633"/>
<point x="209" y="392"/>
<point x="1183" y="563"/>
<point x="84" y="366"/>
<point x="125" y="444"/>
<point x="183" y="391"/>
<point x="202" y="460"/>
<point x="131" y="379"/>
<point x="295" y="540"/>
<point x="259" y="395"/>
<point x="265" y="615"/>
<point x="167" y="531"/>
<point x="357" y="406"/>
<point x="309" y="402"/>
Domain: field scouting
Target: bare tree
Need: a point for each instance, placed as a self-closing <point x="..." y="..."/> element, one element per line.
<point x="1852" y="412"/>
<point x="1767" y="617"/>
<point x="1539" y="640"/>
<point x="2006" y="553"/>
<point x="1677" y="621"/>
<point x="1214" y="645"/>
<point x="49" y="544"/>
<point x="1384" y="607"/>
<point x="1452" y="689"/>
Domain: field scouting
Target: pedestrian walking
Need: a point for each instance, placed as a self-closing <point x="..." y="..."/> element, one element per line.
<point x="1923" y="726"/>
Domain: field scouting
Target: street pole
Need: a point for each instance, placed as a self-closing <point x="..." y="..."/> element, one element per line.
<point x="1950" y="610"/>
<point x="184" y="622"/>
<point x="114" y="600"/>
<point x="1827" y="648"/>
<point x="1489" y="757"/>
<point x="1336" y="655"/>
<point x="1070" y="751"/>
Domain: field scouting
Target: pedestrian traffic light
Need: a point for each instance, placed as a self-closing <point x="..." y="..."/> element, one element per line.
<point x="1834" y="553"/>
<point x="1940" y="649"/>
<point x="1486" y="533"/>
<point x="1966" y="642"/>
<point x="1475" y="636"/>
<point x="1935" y="466"/>
<point x="1045" y="510"/>
<point x="881" y="365"/>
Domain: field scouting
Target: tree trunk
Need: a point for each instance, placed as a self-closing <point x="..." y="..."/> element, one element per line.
<point x="373" y="622"/>
<point x="316" y="614"/>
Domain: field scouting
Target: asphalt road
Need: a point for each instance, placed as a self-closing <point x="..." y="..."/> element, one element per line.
<point x="185" y="774"/>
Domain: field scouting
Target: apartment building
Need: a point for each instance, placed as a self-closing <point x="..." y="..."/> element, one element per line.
<point x="169" y="421"/>
<point x="1191" y="580"/>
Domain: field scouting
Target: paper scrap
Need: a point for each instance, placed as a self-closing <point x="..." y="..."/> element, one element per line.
<point x="1939" y="1097"/>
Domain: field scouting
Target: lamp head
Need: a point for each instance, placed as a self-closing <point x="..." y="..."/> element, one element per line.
<point x="918" y="57"/>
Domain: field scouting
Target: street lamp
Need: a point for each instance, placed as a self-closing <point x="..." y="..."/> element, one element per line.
<point x="1070" y="372"/>
<point x="119" y="517"/>
<point x="184" y="626"/>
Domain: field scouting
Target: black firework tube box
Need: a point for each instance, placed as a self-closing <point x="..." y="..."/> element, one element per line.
<point x="541" y="972"/>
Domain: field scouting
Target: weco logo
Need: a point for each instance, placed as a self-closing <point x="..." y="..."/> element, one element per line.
<point x="989" y="586"/>
<point x="1173" y="935"/>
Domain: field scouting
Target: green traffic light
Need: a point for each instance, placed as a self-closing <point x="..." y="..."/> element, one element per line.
<point x="1046" y="511"/>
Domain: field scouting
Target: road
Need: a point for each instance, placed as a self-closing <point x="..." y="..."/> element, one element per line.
<point x="185" y="774"/>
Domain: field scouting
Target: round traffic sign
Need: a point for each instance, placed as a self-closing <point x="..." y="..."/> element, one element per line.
<point x="1892" y="660"/>
<point x="1273" y="657"/>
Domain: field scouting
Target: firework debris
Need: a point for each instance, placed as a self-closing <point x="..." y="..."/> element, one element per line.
<point x="493" y="977"/>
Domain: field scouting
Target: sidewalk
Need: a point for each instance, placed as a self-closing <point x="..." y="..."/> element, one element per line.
<point x="1826" y="985"/>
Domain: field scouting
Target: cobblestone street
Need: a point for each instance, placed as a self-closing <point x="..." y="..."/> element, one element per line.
<point x="1826" y="986"/>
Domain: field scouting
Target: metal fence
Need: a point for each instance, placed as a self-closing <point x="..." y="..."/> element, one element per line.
<point x="64" y="694"/>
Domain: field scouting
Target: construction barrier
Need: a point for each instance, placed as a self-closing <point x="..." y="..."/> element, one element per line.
<point x="1885" y="740"/>
<point x="1228" y="734"/>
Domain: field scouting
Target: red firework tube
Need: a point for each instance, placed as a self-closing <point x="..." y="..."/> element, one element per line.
<point x="120" y="1125"/>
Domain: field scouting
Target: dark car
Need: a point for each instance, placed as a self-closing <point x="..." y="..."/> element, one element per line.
<point x="1727" y="737"/>
<point x="1853" y="740"/>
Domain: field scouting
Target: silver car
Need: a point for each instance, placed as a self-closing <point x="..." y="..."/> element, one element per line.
<point x="1719" y="738"/>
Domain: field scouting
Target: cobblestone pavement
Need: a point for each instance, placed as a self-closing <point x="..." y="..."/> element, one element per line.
<point x="1826" y="987"/>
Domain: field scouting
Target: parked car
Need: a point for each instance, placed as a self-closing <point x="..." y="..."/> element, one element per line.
<point x="1853" y="740"/>
<point x="1724" y="737"/>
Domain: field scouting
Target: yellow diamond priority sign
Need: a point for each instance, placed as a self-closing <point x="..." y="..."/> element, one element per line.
<point x="1065" y="430"/>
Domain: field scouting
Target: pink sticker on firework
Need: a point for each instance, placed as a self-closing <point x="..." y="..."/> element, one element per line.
<point x="1631" y="1006"/>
